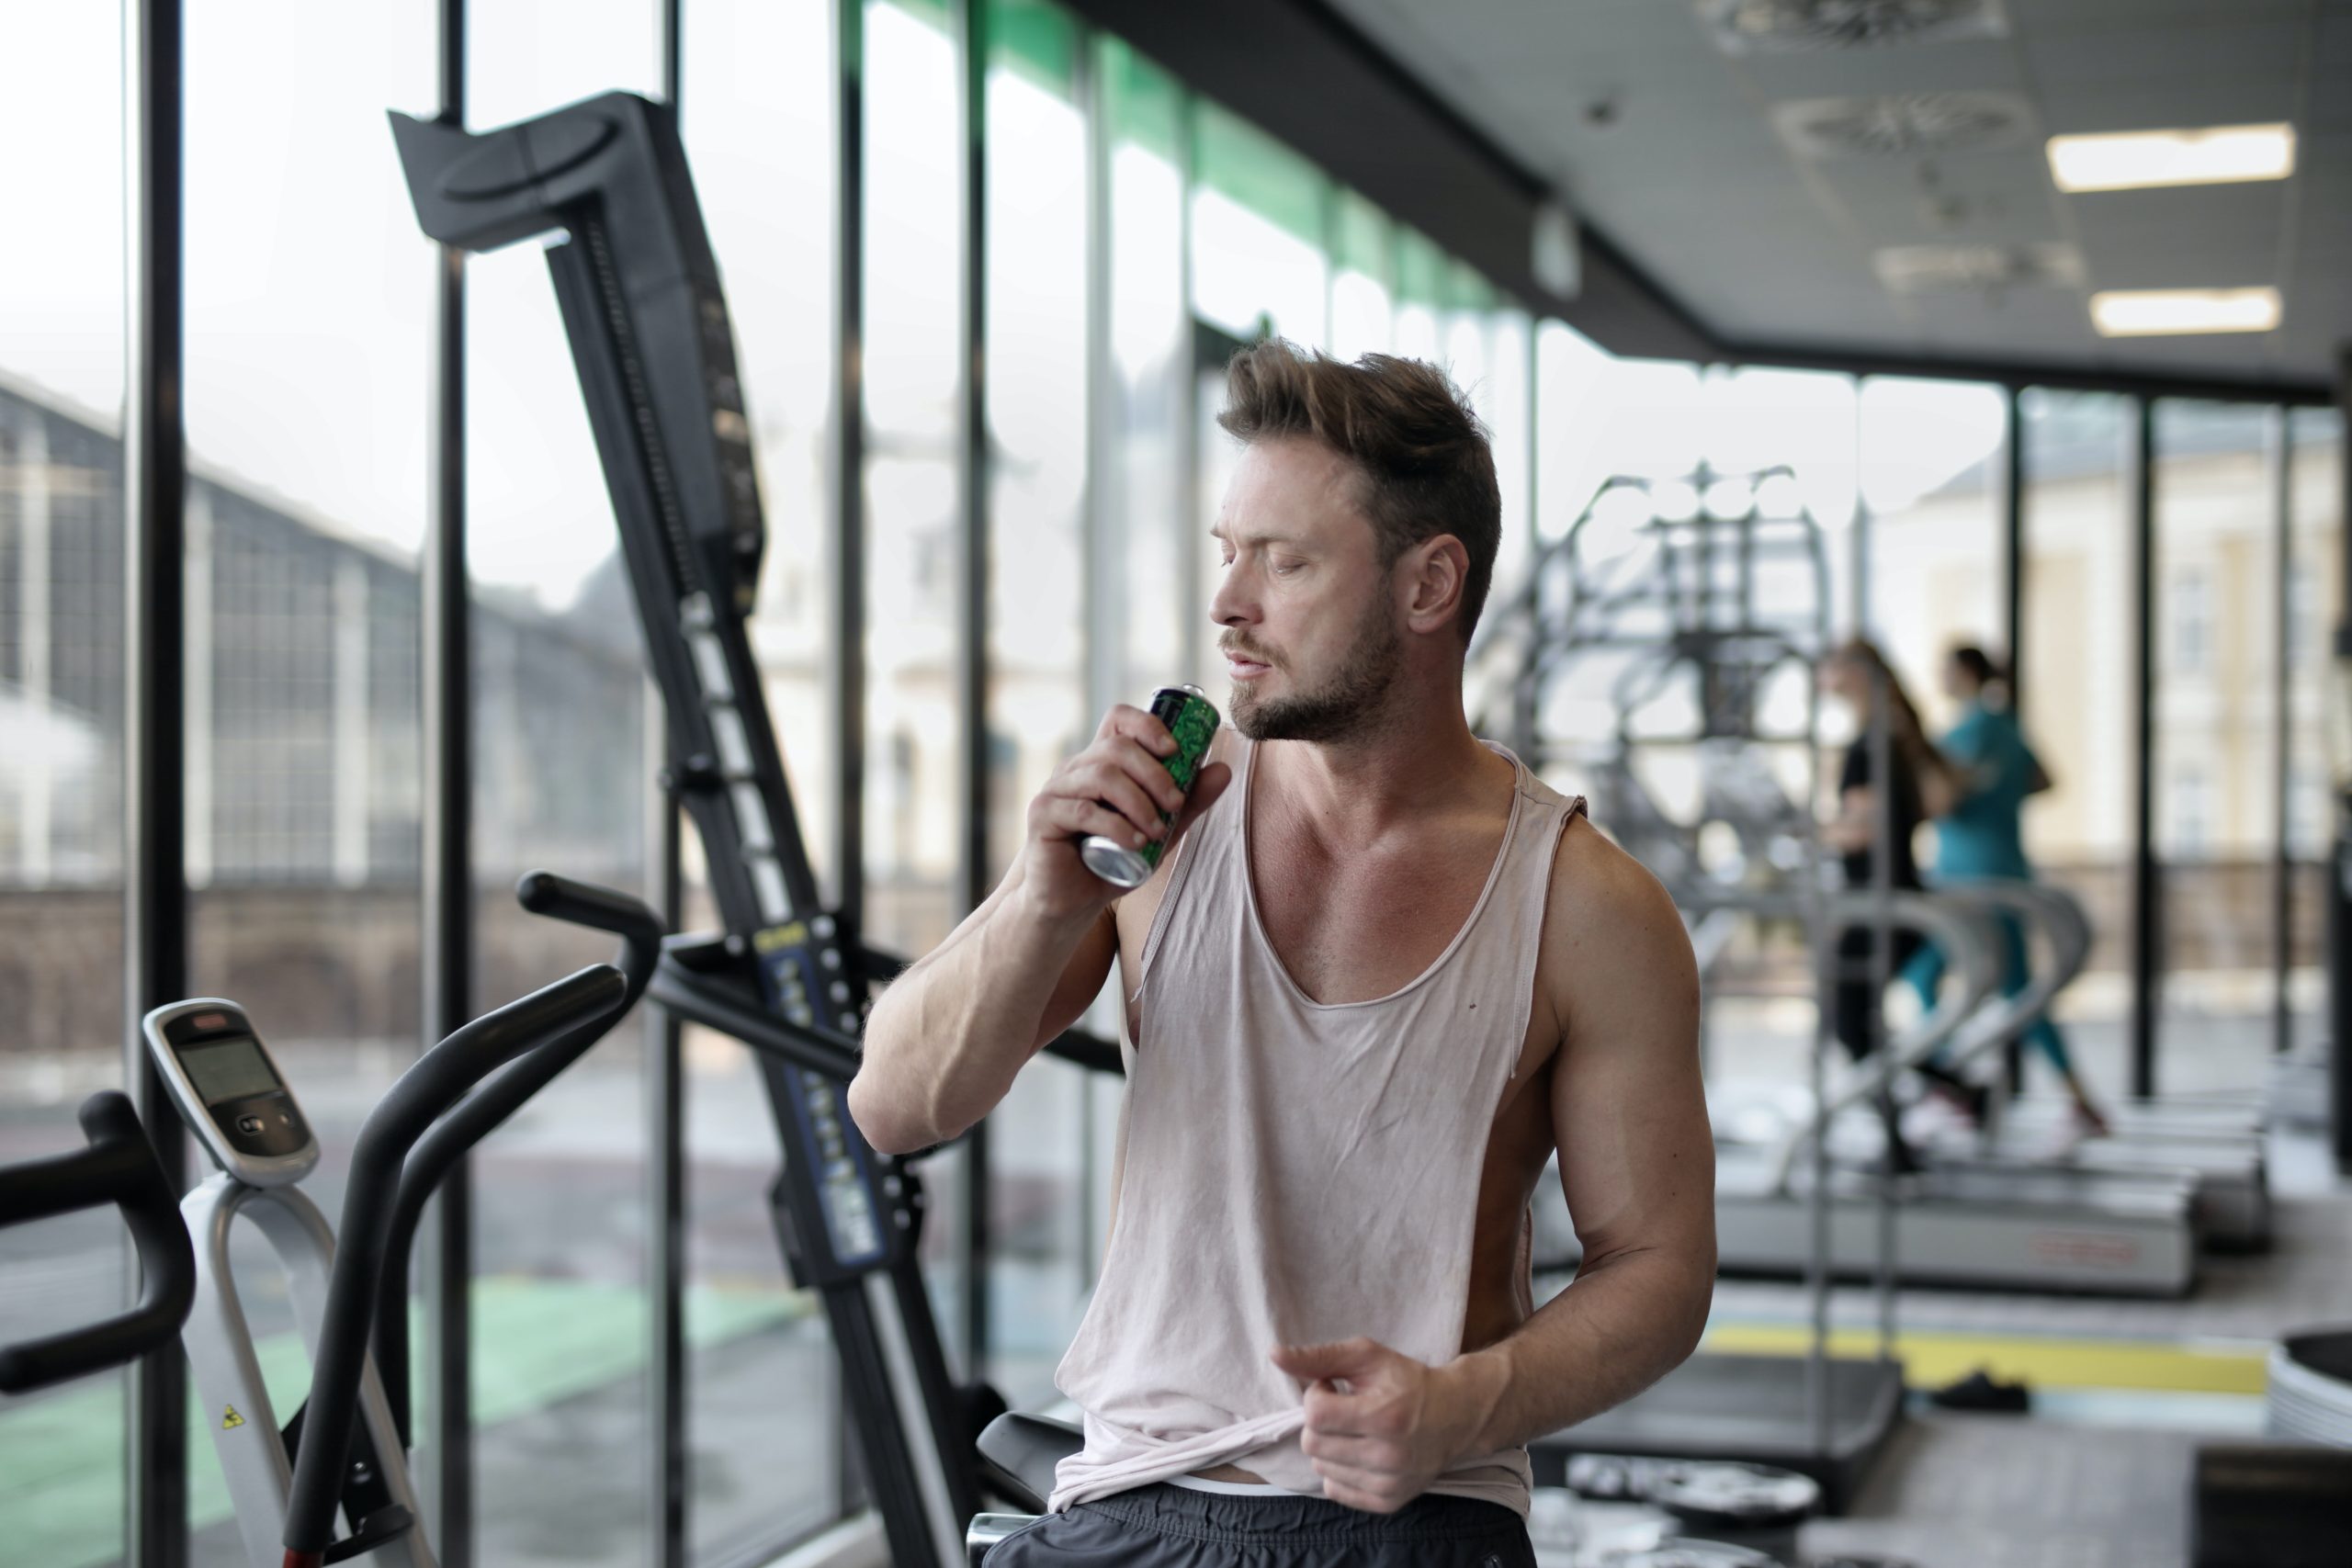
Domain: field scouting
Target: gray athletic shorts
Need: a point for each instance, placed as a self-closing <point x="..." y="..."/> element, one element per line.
<point x="1167" y="1526"/>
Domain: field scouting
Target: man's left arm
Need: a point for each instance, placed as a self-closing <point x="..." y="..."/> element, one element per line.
<point x="1638" y="1162"/>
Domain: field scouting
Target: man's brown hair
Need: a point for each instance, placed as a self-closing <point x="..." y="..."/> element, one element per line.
<point x="1427" y="469"/>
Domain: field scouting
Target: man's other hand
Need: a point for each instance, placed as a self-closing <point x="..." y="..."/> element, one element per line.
<point x="1381" y="1426"/>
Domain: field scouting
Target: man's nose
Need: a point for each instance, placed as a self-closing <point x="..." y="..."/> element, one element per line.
<point x="1231" y="606"/>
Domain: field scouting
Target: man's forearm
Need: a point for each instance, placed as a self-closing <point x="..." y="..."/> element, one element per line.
<point x="947" y="1038"/>
<point x="1624" y="1324"/>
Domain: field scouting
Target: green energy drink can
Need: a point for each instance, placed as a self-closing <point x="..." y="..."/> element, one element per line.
<point x="1191" y="718"/>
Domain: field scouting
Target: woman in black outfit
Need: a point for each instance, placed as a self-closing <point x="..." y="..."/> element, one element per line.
<point x="1921" y="786"/>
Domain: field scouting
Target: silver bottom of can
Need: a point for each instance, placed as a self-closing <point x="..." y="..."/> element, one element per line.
<point x="1114" y="861"/>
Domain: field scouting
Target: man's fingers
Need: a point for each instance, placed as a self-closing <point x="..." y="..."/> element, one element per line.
<point x="1343" y="1415"/>
<point x="1356" y="1490"/>
<point x="1137" y="725"/>
<point x="1111" y="785"/>
<point x="1074" y="818"/>
<point x="1370" y="1455"/>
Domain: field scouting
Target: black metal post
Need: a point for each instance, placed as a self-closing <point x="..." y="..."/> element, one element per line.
<point x="2147" y="889"/>
<point x="446" y="1432"/>
<point x="848" y="542"/>
<point x="972" y="628"/>
<point x="2279" y="455"/>
<point x="2337" y="884"/>
<point x="846" y="681"/>
<point x="154" y="848"/>
<point x="2013" y="558"/>
<point x="2013" y="553"/>
<point x="667" y="1369"/>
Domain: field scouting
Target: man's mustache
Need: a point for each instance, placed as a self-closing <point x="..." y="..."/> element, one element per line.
<point x="1233" y="649"/>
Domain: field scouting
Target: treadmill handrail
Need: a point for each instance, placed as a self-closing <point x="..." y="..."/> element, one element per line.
<point x="486" y="1110"/>
<point x="2061" y="918"/>
<point x="428" y="1088"/>
<point x="118" y="1166"/>
<point x="1968" y="946"/>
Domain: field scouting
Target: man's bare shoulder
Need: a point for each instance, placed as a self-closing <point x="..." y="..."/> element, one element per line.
<point x="1611" y="930"/>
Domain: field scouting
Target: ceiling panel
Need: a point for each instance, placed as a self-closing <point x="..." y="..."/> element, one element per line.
<point x="1690" y="180"/>
<point x="2154" y="58"/>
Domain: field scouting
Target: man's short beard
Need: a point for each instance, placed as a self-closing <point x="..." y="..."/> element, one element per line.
<point x="1345" y="705"/>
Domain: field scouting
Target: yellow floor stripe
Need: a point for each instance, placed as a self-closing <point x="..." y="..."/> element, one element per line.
<point x="1932" y="1360"/>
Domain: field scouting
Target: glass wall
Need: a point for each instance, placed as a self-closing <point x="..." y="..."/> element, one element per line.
<point x="2313" y="609"/>
<point x="1036" y="142"/>
<point x="1142" y="486"/>
<point x="912" y="363"/>
<point x="2216" y="669"/>
<point x="1933" y="458"/>
<point x="61" y="740"/>
<point x="309" y="304"/>
<point x="559" y="1287"/>
<point x="2075" y="695"/>
<point x="764" y="1433"/>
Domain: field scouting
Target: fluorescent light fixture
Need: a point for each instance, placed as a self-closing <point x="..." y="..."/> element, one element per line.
<point x="2156" y="312"/>
<point x="2136" y="160"/>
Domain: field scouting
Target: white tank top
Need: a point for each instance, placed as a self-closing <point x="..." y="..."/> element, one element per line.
<point x="1293" y="1172"/>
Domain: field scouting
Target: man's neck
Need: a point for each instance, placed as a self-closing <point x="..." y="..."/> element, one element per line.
<point x="1395" y="772"/>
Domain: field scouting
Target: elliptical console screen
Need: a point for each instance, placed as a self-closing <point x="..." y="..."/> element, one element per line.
<point x="230" y="1093"/>
<point x="230" y="1069"/>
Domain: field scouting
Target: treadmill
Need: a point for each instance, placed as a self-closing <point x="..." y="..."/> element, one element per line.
<point x="2218" y="1144"/>
<point x="1964" y="1220"/>
<point x="651" y="338"/>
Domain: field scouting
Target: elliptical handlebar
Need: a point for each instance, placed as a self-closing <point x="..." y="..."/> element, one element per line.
<point x="484" y="1112"/>
<point x="118" y="1166"/>
<point x="421" y="1095"/>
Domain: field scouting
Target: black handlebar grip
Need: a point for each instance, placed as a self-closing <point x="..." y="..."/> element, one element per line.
<point x="585" y="903"/>
<point x="435" y="1083"/>
<point x="118" y="1166"/>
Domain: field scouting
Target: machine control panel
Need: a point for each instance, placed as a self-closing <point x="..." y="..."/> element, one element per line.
<point x="231" y="1092"/>
<point x="802" y="971"/>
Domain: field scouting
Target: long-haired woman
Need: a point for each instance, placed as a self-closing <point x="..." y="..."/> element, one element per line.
<point x="1920" y="783"/>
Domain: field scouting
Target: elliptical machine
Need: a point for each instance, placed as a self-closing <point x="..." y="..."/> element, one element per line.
<point x="344" y="1452"/>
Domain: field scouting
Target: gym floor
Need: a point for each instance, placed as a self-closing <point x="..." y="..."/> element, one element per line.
<point x="2098" y="1475"/>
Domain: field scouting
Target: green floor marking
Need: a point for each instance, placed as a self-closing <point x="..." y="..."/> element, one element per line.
<point x="536" y="1343"/>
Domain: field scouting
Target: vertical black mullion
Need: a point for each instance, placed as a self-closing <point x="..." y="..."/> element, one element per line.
<point x="2278" y="454"/>
<point x="446" y="1433"/>
<point x="847" y="681"/>
<point x="2013" y="552"/>
<point x="2013" y="558"/>
<point x="2147" y="893"/>
<point x="665" y="1114"/>
<point x="154" y="927"/>
<point x="972" y="629"/>
<point x="2333" y="883"/>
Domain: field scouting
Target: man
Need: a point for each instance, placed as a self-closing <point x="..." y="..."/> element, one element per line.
<point x="1380" y="973"/>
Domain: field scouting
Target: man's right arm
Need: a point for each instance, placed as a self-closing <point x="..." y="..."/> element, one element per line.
<point x="946" y="1041"/>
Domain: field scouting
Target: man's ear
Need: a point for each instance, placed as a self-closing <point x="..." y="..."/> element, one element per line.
<point x="1437" y="573"/>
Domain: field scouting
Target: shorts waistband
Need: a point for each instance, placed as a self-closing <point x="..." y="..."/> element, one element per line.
<point x="1289" y="1516"/>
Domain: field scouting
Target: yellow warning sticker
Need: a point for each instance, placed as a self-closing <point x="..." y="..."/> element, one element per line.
<point x="230" y="1419"/>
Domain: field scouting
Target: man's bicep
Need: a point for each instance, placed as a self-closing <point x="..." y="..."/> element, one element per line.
<point x="1636" y="1155"/>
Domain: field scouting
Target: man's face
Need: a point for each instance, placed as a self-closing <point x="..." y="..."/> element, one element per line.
<point x="1305" y="607"/>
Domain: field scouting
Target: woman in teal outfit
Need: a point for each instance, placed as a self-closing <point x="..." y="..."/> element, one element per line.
<point x="1979" y="837"/>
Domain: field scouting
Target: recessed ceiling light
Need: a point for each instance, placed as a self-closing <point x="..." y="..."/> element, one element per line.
<point x="2220" y="154"/>
<point x="2156" y="312"/>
